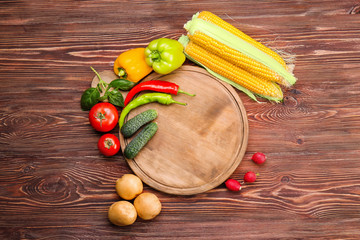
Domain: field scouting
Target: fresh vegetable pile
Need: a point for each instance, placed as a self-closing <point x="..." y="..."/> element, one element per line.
<point x="223" y="50"/>
<point x="162" y="56"/>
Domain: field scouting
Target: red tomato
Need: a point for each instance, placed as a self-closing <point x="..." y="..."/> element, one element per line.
<point x="103" y="117"/>
<point x="109" y="144"/>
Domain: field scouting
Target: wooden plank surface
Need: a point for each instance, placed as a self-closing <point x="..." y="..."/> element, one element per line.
<point x="54" y="184"/>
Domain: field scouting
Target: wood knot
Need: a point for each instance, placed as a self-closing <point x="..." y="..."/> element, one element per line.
<point x="295" y="91"/>
<point x="290" y="101"/>
<point x="48" y="189"/>
<point x="53" y="185"/>
<point x="355" y="9"/>
<point x="28" y="169"/>
<point x="299" y="141"/>
<point x="285" y="179"/>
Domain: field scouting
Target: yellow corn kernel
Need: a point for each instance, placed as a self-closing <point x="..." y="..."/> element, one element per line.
<point x="232" y="72"/>
<point x="235" y="57"/>
<point x="212" y="18"/>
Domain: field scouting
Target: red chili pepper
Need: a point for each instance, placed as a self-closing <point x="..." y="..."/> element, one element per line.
<point x="155" y="85"/>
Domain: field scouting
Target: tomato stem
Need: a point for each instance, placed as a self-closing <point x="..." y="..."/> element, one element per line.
<point x="108" y="143"/>
<point x="100" y="116"/>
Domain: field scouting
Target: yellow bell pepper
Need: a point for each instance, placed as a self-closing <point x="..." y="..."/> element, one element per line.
<point x="131" y="65"/>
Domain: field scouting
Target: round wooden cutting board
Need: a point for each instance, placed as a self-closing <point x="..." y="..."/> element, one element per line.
<point x="198" y="146"/>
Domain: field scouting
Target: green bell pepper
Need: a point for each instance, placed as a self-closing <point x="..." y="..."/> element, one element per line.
<point x="164" y="55"/>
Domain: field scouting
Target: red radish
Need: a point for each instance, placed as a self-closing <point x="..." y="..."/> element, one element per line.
<point x="250" y="177"/>
<point x="233" y="185"/>
<point x="259" y="158"/>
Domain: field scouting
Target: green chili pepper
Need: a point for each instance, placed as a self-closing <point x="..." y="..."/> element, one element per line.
<point x="162" y="98"/>
<point x="164" y="55"/>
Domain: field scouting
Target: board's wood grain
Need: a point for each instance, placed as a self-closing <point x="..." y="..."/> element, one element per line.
<point x="55" y="185"/>
<point x="197" y="146"/>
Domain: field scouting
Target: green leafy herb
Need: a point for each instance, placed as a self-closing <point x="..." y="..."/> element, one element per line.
<point x="122" y="84"/>
<point x="116" y="98"/>
<point x="89" y="98"/>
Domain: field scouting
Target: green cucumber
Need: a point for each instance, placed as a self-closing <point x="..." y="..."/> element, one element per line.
<point x="135" y="123"/>
<point x="140" y="140"/>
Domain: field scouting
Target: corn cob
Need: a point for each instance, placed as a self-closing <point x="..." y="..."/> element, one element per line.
<point x="235" y="57"/>
<point x="234" y="73"/>
<point x="218" y="33"/>
<point x="212" y="18"/>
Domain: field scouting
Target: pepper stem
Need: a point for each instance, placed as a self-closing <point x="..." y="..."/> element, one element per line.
<point x="181" y="91"/>
<point x="154" y="56"/>
<point x="184" y="104"/>
<point x="122" y="73"/>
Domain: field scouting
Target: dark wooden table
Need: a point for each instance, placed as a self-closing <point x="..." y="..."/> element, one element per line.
<point x="54" y="184"/>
